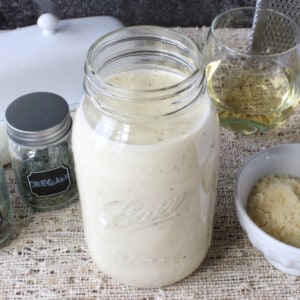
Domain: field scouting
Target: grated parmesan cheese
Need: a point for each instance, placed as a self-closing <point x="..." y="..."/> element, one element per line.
<point x="274" y="205"/>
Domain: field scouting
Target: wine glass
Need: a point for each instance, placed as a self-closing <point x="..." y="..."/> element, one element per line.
<point x="252" y="68"/>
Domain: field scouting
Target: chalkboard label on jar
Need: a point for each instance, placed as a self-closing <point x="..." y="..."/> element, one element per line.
<point x="49" y="182"/>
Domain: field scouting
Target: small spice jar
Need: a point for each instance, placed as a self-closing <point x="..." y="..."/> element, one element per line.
<point x="39" y="130"/>
<point x="6" y="211"/>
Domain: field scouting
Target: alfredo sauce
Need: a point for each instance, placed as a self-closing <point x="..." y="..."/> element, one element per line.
<point x="147" y="183"/>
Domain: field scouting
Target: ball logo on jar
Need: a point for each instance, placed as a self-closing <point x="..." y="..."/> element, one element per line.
<point x="132" y="214"/>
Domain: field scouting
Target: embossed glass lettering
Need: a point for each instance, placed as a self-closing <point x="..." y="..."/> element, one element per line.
<point x="133" y="215"/>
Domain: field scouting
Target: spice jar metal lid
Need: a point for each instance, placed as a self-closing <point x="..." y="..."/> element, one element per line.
<point x="39" y="118"/>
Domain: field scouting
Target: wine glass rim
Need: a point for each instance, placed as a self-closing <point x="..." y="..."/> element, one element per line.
<point x="245" y="54"/>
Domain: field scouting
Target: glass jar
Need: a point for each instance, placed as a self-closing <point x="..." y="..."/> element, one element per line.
<point x="145" y="141"/>
<point x="6" y="210"/>
<point x="39" y="131"/>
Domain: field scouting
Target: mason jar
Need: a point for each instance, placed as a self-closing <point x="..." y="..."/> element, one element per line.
<point x="145" y="142"/>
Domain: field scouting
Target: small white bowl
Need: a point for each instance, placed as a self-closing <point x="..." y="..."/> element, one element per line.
<point x="279" y="160"/>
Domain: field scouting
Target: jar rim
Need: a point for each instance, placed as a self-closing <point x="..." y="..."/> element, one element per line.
<point x="151" y="32"/>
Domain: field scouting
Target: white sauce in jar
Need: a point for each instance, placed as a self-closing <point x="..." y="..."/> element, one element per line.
<point x="148" y="208"/>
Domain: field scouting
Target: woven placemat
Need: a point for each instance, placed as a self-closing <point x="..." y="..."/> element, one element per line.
<point x="47" y="257"/>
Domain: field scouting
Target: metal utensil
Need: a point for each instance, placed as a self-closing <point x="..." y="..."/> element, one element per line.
<point x="269" y="32"/>
<point x="290" y="8"/>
